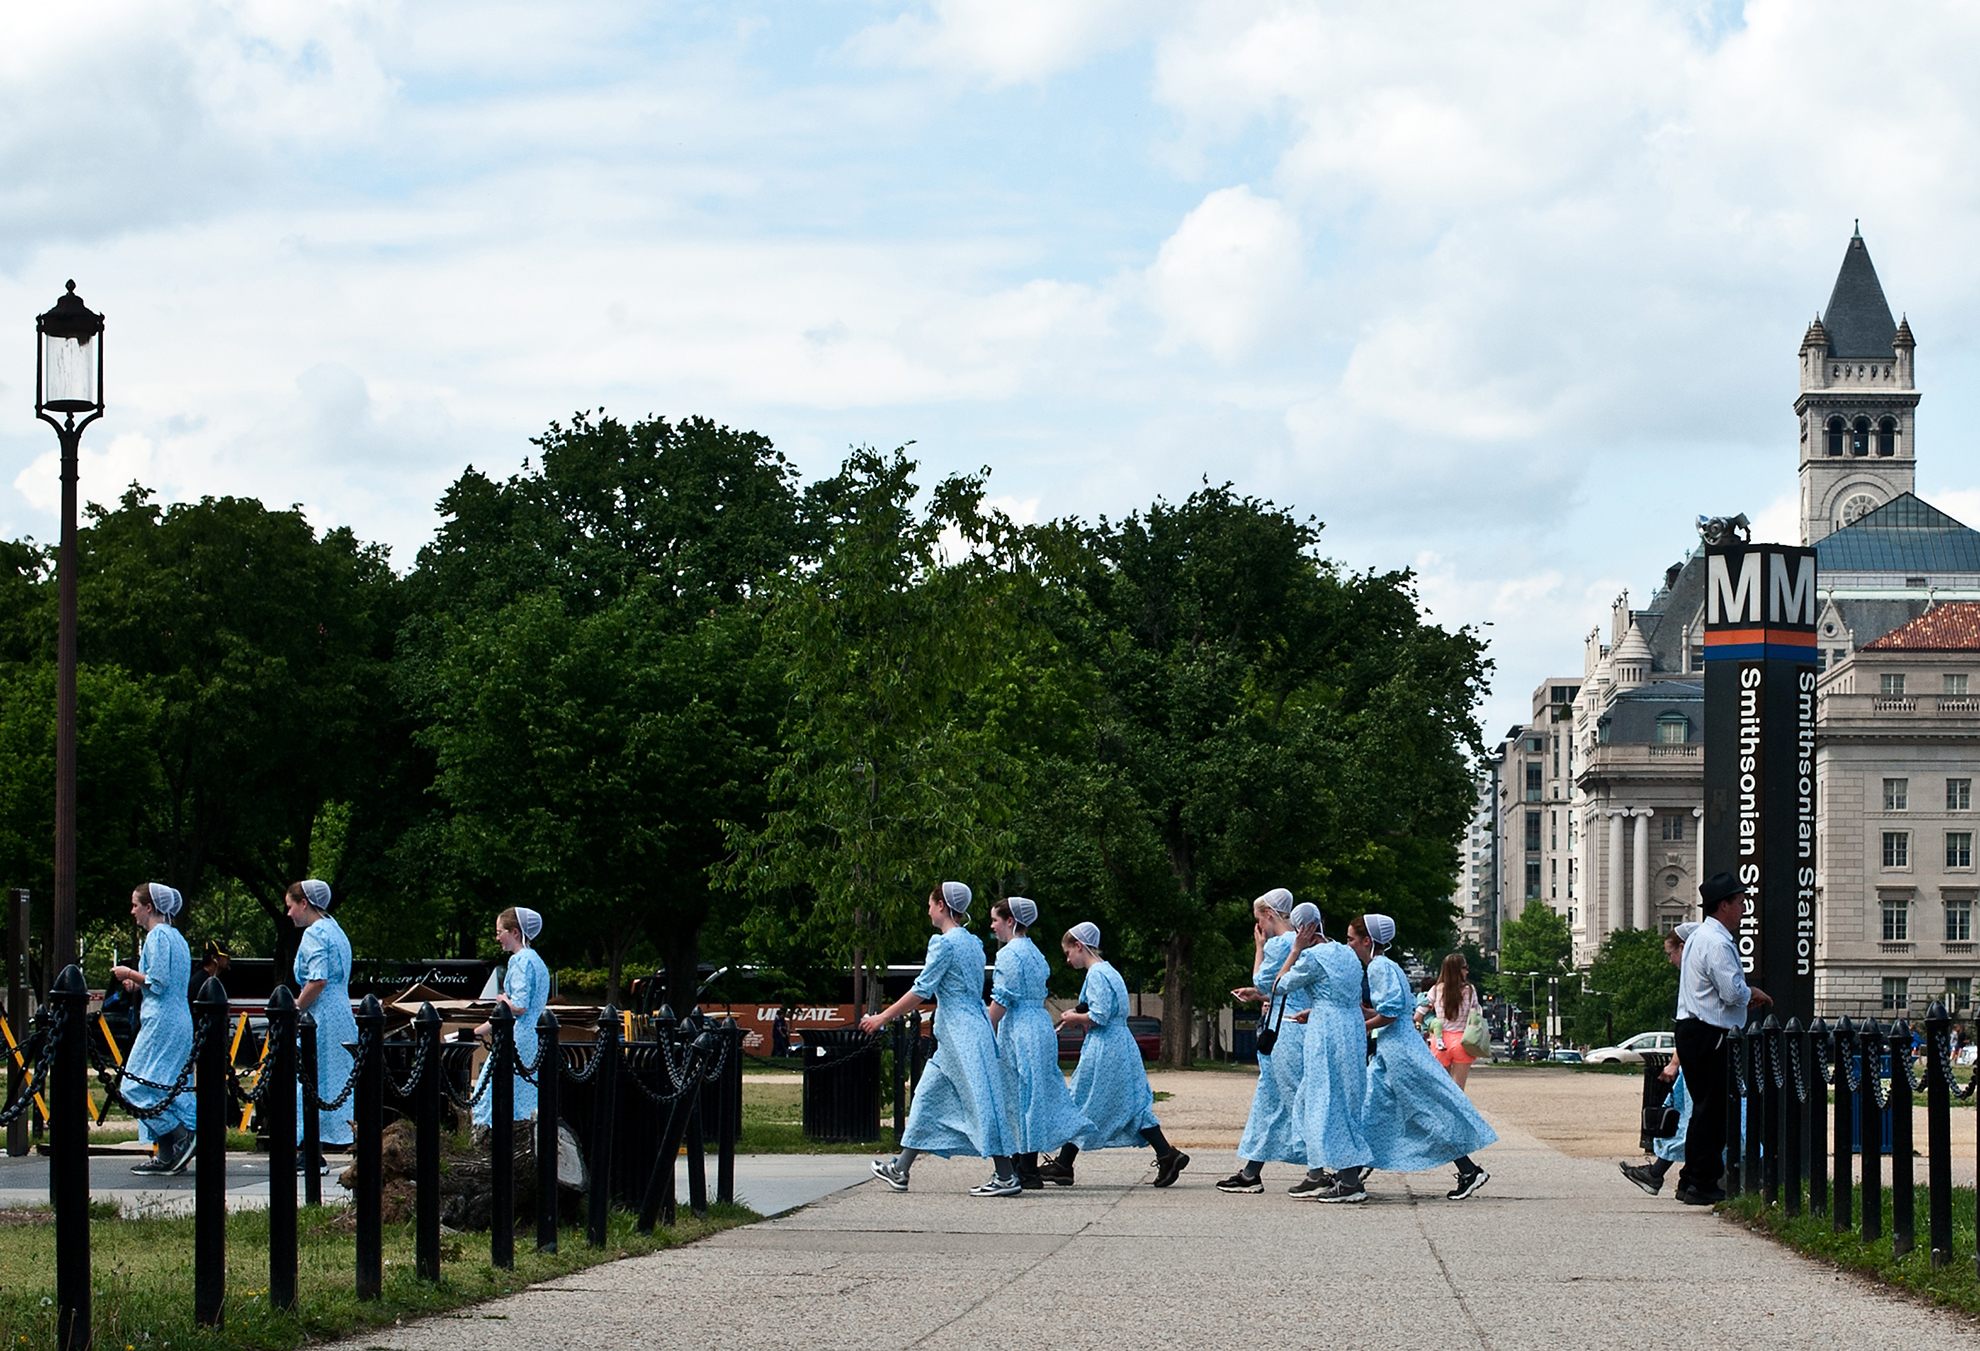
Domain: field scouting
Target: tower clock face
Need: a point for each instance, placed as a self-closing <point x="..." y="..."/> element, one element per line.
<point x="1855" y="507"/>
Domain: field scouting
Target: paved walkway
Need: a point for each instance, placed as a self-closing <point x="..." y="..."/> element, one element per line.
<point x="1555" y="1252"/>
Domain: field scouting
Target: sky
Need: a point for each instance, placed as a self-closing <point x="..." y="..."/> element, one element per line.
<point x="1504" y="294"/>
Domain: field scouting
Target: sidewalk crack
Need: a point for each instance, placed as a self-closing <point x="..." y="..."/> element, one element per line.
<point x="1443" y="1268"/>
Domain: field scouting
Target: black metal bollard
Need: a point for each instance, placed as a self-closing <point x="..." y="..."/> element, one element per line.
<point x="1904" y="1181"/>
<point x="310" y="1124"/>
<point x="210" y="1185"/>
<point x="502" y="1137"/>
<point x="1841" y="1217"/>
<point x="605" y="1110"/>
<point x="1735" y="1108"/>
<point x="549" y="1067"/>
<point x="731" y="1115"/>
<point x="1765" y="1133"/>
<point x="1792" y="1142"/>
<point x="370" y="1198"/>
<point x="697" y="1141"/>
<point x="899" y="1032"/>
<point x="1870" y="1130"/>
<point x="1816" y="1057"/>
<point x="68" y="1147"/>
<point x="278" y="1109"/>
<point x="426" y="1128"/>
<point x="1938" y="1135"/>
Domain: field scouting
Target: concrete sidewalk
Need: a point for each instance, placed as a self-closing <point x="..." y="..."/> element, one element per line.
<point x="1555" y="1251"/>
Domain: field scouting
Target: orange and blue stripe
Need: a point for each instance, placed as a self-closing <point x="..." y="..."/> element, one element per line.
<point x="1760" y="644"/>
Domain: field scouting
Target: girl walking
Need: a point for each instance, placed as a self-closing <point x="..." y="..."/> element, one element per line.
<point x="1271" y="1131"/>
<point x="1027" y="1044"/>
<point x="323" y="981"/>
<point x="1452" y="999"/>
<point x="165" y="1030"/>
<point x="961" y="1105"/>
<point x="525" y="989"/>
<point x="1329" y="1103"/>
<point x="1110" y="1086"/>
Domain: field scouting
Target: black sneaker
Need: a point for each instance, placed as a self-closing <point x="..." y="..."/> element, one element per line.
<point x="1348" y="1193"/>
<point x="1467" y="1184"/>
<point x="1647" y="1179"/>
<point x="321" y="1167"/>
<point x="1169" y="1167"/>
<point x="1691" y="1196"/>
<point x="1309" y="1187"/>
<point x="1054" y="1172"/>
<point x="1238" y="1182"/>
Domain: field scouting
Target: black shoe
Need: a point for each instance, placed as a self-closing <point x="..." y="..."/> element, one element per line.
<point x="1309" y="1187"/>
<point x="1054" y="1172"/>
<point x="1644" y="1176"/>
<point x="1349" y="1193"/>
<point x="321" y="1167"/>
<point x="1238" y="1182"/>
<point x="1169" y="1167"/>
<point x="1692" y="1196"/>
<point x="1467" y="1183"/>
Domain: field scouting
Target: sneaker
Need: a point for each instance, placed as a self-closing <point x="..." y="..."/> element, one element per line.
<point x="322" y="1168"/>
<point x="998" y="1186"/>
<point x="152" y="1166"/>
<point x="885" y="1170"/>
<point x="177" y="1151"/>
<point x="1467" y="1184"/>
<point x="1691" y="1196"/>
<point x="1309" y="1187"/>
<point x="1238" y="1182"/>
<point x="1647" y="1179"/>
<point x="1054" y="1172"/>
<point x="1168" y="1169"/>
<point x="1349" y="1193"/>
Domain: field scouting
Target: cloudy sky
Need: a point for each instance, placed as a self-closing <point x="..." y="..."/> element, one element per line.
<point x="1508" y="294"/>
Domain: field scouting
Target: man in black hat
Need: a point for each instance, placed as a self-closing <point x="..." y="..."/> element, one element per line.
<point x="1713" y="998"/>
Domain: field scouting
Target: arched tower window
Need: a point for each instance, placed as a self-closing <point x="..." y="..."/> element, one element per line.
<point x="1859" y="437"/>
<point x="1887" y="436"/>
<point x="1833" y="441"/>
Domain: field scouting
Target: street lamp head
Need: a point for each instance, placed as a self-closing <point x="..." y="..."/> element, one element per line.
<point x="68" y="358"/>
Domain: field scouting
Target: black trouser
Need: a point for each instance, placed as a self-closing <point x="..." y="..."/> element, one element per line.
<point x="1705" y="1059"/>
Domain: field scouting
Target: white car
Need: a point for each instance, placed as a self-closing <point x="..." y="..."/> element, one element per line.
<point x="1631" y="1050"/>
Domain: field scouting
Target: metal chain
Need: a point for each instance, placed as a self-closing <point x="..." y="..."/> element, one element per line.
<point x="114" y="1086"/>
<point x="464" y="1101"/>
<point x="1851" y="1065"/>
<point x="1776" y="1067"/>
<point x="405" y="1090"/>
<point x="585" y="1072"/>
<point x="1946" y="1070"/>
<point x="1738" y="1062"/>
<point x="44" y="1063"/>
<point x="364" y="1048"/>
<point x="1800" y="1073"/>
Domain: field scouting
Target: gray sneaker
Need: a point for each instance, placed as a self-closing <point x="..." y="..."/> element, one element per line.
<point x="998" y="1186"/>
<point x="885" y="1170"/>
<point x="1644" y="1176"/>
<point x="1307" y="1188"/>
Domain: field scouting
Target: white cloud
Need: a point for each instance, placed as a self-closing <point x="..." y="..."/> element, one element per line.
<point x="1003" y="42"/>
<point x="104" y="468"/>
<point x="1230" y="276"/>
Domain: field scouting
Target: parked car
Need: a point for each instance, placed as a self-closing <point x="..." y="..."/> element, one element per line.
<point x="1630" y="1050"/>
<point x="1565" y="1055"/>
<point x="1147" y="1034"/>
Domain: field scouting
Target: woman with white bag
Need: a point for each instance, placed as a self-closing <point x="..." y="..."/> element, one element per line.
<point x="1455" y="1003"/>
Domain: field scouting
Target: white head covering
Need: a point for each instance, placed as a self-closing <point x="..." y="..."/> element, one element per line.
<point x="1685" y="930"/>
<point x="317" y="894"/>
<point x="1279" y="899"/>
<point x="956" y="896"/>
<point x="1380" y="928"/>
<point x="166" y="900"/>
<point x="529" y="922"/>
<point x="1306" y="912"/>
<point x="1087" y="932"/>
<point x="1024" y="910"/>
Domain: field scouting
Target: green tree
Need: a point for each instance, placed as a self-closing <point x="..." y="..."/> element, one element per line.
<point x="1632" y="987"/>
<point x="1534" y="949"/>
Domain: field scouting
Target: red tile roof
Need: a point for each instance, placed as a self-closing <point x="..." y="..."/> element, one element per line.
<point x="1953" y="626"/>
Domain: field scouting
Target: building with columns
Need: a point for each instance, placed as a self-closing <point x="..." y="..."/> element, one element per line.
<point x="1535" y="767"/>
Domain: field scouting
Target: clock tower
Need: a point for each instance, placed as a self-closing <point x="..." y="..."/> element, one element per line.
<point x="1858" y="403"/>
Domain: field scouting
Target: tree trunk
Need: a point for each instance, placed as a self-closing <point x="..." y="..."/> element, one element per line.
<point x="1178" y="1015"/>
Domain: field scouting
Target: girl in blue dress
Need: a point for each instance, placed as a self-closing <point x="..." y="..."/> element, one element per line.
<point x="1271" y="1131"/>
<point x="525" y="990"/>
<point x="323" y="981"/>
<point x="961" y="1105"/>
<point x="165" y="1029"/>
<point x="1416" y="1116"/>
<point x="1331" y="1088"/>
<point x="1027" y="1043"/>
<point x="1109" y="1086"/>
<point x="1667" y="1150"/>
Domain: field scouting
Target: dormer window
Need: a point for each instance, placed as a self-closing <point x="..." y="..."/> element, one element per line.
<point x="1673" y="729"/>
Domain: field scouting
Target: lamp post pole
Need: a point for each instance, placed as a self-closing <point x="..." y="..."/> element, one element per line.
<point x="65" y="385"/>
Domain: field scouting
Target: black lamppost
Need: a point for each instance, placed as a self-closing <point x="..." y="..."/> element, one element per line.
<point x="68" y="383"/>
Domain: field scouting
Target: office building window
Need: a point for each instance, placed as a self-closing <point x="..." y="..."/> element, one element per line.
<point x="1836" y="654"/>
<point x="1959" y="795"/>
<point x="1955" y="684"/>
<point x="1532" y="780"/>
<point x="1533" y="880"/>
<point x="1959" y="993"/>
<point x="1673" y="827"/>
<point x="1897" y="795"/>
<point x="1959" y="921"/>
<point x="1959" y="849"/>
<point x="1897" y="921"/>
<point x="1897" y="991"/>
<point x="1533" y="832"/>
<point x="1897" y="849"/>
<point x="1891" y="684"/>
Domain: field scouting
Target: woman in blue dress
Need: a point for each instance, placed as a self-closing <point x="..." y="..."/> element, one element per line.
<point x="961" y="1105"/>
<point x="165" y="1028"/>
<point x="1027" y="1043"/>
<point x="1416" y="1115"/>
<point x="1667" y="1150"/>
<point x="525" y="990"/>
<point x="1331" y="1086"/>
<point x="323" y="981"/>
<point x="1109" y="1085"/>
<point x="1271" y="1131"/>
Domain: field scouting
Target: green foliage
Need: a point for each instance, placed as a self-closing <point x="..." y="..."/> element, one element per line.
<point x="1533" y="948"/>
<point x="1637" y="988"/>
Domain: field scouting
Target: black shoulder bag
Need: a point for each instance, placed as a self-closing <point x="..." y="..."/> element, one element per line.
<point x="1268" y="1035"/>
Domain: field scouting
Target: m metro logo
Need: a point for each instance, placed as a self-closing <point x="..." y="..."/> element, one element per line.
<point x="1760" y="604"/>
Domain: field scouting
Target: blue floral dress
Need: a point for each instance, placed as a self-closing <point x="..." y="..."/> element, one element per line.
<point x="1672" y="1147"/>
<point x="1329" y="1103"/>
<point x="165" y="1032"/>
<point x="1416" y="1115"/>
<point x="962" y="1104"/>
<point x="1271" y="1132"/>
<point x="1110" y="1086"/>
<point x="526" y="983"/>
<point x="1028" y="1046"/>
<point x="325" y="954"/>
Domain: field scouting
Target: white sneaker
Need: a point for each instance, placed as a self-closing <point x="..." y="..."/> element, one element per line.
<point x="885" y="1170"/>
<point x="998" y="1186"/>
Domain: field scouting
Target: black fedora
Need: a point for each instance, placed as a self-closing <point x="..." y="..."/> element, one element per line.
<point x="1718" y="887"/>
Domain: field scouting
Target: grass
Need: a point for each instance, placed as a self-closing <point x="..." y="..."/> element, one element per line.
<point x="141" y="1276"/>
<point x="773" y="1123"/>
<point x="1954" y="1285"/>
